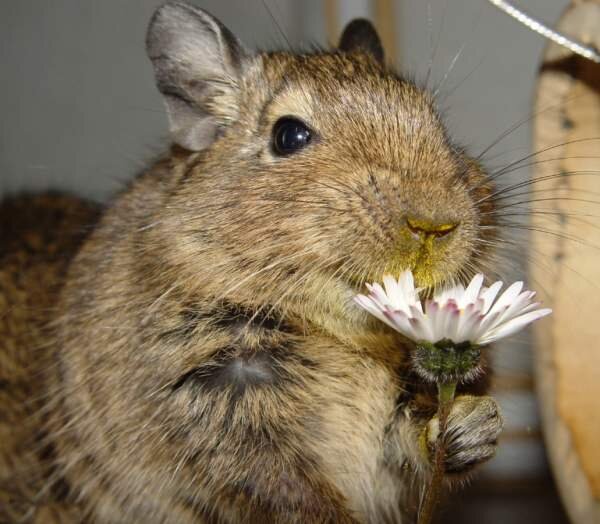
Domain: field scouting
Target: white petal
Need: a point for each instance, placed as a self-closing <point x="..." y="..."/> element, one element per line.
<point x="433" y="312"/>
<point x="479" y="305"/>
<point x="469" y="317"/>
<point x="507" y="297"/>
<point x="514" y="325"/>
<point x="422" y="329"/>
<point x="488" y="295"/>
<point x="472" y="291"/>
<point x="373" y="308"/>
<point x="452" y="293"/>
<point x="452" y="321"/>
<point x="487" y="324"/>
<point x="407" y="282"/>
<point x="448" y="312"/>
<point x="413" y="297"/>
<point x="363" y="301"/>
<point x="463" y="314"/>
<point x="530" y="307"/>
<point x="393" y="291"/>
<point x="467" y="331"/>
<point x="400" y="322"/>
<point x="517" y="307"/>
<point x="378" y="293"/>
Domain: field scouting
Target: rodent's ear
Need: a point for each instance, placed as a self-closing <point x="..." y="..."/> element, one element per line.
<point x="197" y="62"/>
<point x="360" y="36"/>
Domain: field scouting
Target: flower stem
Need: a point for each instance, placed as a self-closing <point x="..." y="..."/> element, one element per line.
<point x="446" y="395"/>
<point x="446" y="391"/>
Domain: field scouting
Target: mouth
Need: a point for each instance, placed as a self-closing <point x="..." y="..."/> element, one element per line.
<point x="430" y="266"/>
<point x="435" y="253"/>
<point x="425" y="274"/>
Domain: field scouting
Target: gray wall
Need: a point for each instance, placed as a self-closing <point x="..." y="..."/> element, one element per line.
<point x="79" y="110"/>
<point x="78" y="106"/>
<point x="492" y="79"/>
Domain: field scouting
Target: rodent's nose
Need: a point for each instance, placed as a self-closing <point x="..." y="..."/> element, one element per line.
<point x="425" y="228"/>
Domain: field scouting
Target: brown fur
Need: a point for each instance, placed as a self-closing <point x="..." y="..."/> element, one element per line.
<point x="208" y="364"/>
<point x="38" y="237"/>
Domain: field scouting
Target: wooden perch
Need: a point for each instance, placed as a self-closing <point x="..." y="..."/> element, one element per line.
<point x="567" y="266"/>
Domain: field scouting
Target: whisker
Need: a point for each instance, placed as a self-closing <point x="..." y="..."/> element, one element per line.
<point x="537" y="180"/>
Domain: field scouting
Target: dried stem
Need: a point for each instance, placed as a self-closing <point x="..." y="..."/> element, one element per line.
<point x="446" y="393"/>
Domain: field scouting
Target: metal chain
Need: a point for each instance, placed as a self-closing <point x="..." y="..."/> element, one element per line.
<point x="551" y="34"/>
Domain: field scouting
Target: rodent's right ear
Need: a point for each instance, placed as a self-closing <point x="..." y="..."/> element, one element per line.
<point x="197" y="62"/>
<point x="360" y="35"/>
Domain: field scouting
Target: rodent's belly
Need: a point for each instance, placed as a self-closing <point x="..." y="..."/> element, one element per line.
<point x="279" y="426"/>
<point x="358" y="410"/>
<point x="322" y="407"/>
<point x="330" y="409"/>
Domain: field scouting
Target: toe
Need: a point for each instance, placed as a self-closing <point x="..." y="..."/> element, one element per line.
<point x="467" y="459"/>
<point x="472" y="430"/>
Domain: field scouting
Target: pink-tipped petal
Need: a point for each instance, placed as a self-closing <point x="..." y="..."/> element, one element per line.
<point x="368" y="304"/>
<point x="452" y="324"/>
<point x="476" y="314"/>
<point x="421" y="329"/>
<point x="399" y="321"/>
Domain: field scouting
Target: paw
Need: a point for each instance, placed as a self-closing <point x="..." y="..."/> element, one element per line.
<point x="473" y="426"/>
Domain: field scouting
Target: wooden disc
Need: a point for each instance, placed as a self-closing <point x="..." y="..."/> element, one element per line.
<point x="565" y="263"/>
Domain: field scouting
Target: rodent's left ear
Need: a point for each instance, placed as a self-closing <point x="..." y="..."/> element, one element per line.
<point x="360" y="36"/>
<point x="197" y="62"/>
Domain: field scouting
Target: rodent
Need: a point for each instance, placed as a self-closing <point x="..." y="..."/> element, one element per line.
<point x="197" y="356"/>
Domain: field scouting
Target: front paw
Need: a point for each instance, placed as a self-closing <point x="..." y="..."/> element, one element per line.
<point x="473" y="426"/>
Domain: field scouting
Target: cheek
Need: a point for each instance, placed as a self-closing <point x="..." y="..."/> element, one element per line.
<point x="481" y="190"/>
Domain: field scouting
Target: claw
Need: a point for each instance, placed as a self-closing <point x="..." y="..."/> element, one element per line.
<point x="474" y="424"/>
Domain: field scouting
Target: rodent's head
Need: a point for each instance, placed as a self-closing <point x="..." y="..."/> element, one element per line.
<point x="315" y="171"/>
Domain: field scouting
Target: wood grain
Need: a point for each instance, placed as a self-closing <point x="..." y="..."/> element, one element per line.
<point x="567" y="266"/>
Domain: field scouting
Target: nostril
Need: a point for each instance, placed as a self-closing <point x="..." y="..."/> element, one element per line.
<point x="428" y="228"/>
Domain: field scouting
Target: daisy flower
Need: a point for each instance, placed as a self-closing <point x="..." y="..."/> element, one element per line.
<point x="449" y="328"/>
<point x="474" y="314"/>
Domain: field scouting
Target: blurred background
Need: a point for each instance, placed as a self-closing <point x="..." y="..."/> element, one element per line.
<point x="80" y="113"/>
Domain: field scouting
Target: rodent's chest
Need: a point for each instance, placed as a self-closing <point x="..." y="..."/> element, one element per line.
<point x="238" y="350"/>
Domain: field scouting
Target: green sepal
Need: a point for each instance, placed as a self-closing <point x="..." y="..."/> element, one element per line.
<point x="446" y="361"/>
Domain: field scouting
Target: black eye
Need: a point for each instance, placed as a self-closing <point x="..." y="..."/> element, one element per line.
<point x="290" y="135"/>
